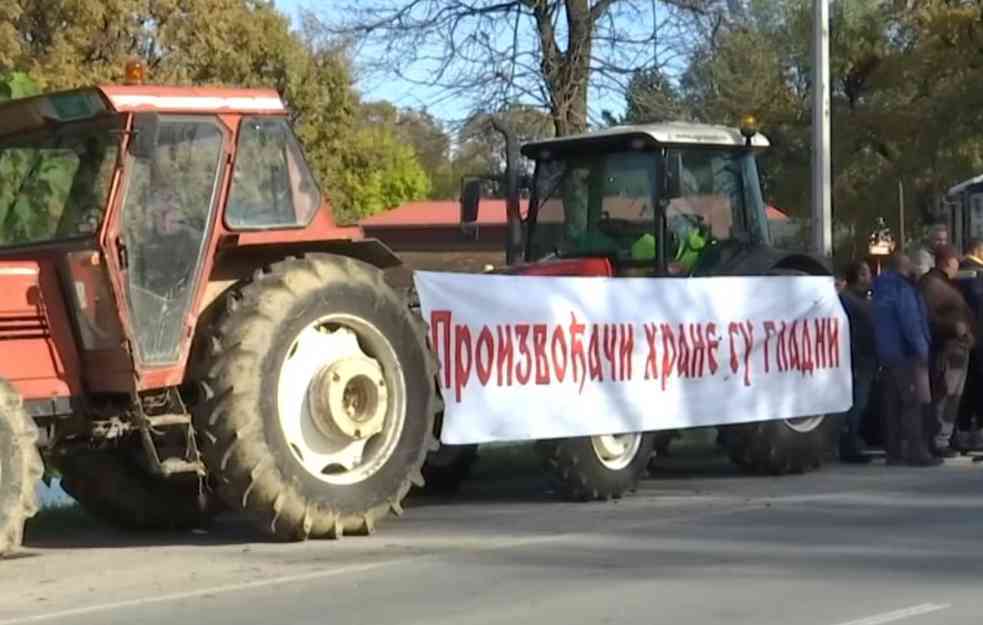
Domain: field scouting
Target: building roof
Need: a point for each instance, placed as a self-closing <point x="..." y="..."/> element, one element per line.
<point x="438" y="213"/>
<point x="685" y="133"/>
<point x="446" y="214"/>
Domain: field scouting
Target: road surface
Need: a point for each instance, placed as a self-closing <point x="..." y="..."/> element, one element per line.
<point x="700" y="544"/>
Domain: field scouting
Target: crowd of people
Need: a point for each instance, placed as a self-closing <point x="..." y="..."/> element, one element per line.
<point x="914" y="338"/>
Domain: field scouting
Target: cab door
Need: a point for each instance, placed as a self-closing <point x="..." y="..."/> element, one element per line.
<point x="159" y="234"/>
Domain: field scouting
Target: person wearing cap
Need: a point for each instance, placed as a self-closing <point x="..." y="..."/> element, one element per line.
<point x="953" y="327"/>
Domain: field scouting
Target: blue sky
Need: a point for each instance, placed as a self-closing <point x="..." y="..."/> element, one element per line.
<point x="406" y="94"/>
<point x="396" y="91"/>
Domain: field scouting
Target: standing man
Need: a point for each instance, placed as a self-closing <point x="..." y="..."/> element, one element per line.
<point x="953" y="329"/>
<point x="903" y="347"/>
<point x="923" y="256"/>
<point x="969" y="432"/>
<point x="855" y="297"/>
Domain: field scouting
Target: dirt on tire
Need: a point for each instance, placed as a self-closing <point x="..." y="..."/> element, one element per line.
<point x="21" y="468"/>
<point x="255" y="470"/>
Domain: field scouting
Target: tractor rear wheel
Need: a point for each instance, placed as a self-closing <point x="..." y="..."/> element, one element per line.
<point x="786" y="446"/>
<point x="447" y="467"/>
<point x="592" y="468"/>
<point x="20" y="468"/>
<point x="781" y="447"/>
<point x="317" y="406"/>
<point x="113" y="488"/>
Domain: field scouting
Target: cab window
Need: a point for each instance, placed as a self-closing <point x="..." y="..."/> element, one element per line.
<point x="272" y="186"/>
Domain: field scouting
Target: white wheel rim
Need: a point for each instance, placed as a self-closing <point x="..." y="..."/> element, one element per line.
<point x="805" y="424"/>
<point x="348" y="363"/>
<point x="616" y="451"/>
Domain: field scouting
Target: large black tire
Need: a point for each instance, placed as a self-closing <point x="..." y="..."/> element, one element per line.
<point x="446" y="468"/>
<point x="775" y="448"/>
<point x="20" y="469"/>
<point x="113" y="488"/>
<point x="257" y="471"/>
<point x="579" y="474"/>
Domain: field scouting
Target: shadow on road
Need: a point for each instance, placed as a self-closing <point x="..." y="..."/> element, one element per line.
<point x="71" y="528"/>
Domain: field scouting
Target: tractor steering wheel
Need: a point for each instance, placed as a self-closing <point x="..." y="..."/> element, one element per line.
<point x="621" y="228"/>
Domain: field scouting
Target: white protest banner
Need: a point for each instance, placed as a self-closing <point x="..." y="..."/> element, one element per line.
<point x="525" y="357"/>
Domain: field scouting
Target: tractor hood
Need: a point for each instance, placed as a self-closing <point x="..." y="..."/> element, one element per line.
<point x="37" y="353"/>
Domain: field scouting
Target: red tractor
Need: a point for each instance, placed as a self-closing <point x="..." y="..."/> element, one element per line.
<point x="184" y="328"/>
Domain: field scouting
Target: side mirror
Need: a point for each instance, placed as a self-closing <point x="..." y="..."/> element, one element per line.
<point x="143" y="142"/>
<point x="470" y="198"/>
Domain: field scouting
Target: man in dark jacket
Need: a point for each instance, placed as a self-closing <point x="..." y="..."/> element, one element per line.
<point x="903" y="347"/>
<point x="953" y="327"/>
<point x="969" y="431"/>
<point x="855" y="298"/>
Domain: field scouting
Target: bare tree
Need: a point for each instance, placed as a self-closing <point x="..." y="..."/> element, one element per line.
<point x="549" y="53"/>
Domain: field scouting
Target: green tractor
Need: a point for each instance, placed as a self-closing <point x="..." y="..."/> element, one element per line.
<point x="668" y="200"/>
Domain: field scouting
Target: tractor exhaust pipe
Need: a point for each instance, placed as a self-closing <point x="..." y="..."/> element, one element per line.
<point x="513" y="249"/>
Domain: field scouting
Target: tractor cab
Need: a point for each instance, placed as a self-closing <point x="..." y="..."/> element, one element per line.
<point x="660" y="199"/>
<point x="114" y="203"/>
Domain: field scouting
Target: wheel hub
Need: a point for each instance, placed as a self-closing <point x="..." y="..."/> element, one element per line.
<point x="804" y="425"/>
<point x="341" y="399"/>
<point x="349" y="398"/>
<point x="616" y="451"/>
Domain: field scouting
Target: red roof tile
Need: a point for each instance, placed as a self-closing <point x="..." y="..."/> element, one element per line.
<point x="438" y="213"/>
<point x="446" y="213"/>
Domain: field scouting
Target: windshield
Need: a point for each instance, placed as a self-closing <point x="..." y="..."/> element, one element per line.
<point x="720" y="190"/>
<point x="594" y="205"/>
<point x="54" y="182"/>
<point x="604" y="204"/>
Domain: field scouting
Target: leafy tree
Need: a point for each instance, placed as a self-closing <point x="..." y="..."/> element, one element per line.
<point x="481" y="148"/>
<point x="425" y="134"/>
<point x="70" y="43"/>
<point x="378" y="172"/>
<point x="651" y="97"/>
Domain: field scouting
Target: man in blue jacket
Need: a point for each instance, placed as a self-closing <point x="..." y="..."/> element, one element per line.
<point x="903" y="342"/>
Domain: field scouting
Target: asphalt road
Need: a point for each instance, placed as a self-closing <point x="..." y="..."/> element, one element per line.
<point x="700" y="544"/>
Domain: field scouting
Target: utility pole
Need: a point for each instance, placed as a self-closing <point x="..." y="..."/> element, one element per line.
<point x="822" y="220"/>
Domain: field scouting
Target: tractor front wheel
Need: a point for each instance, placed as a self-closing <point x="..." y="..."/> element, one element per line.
<point x="20" y="468"/>
<point x="781" y="447"/>
<point x="591" y="468"/>
<point x="317" y="408"/>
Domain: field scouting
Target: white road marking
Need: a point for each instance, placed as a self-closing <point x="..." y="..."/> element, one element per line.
<point x="898" y="615"/>
<point x="214" y="590"/>
<point x="479" y="544"/>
